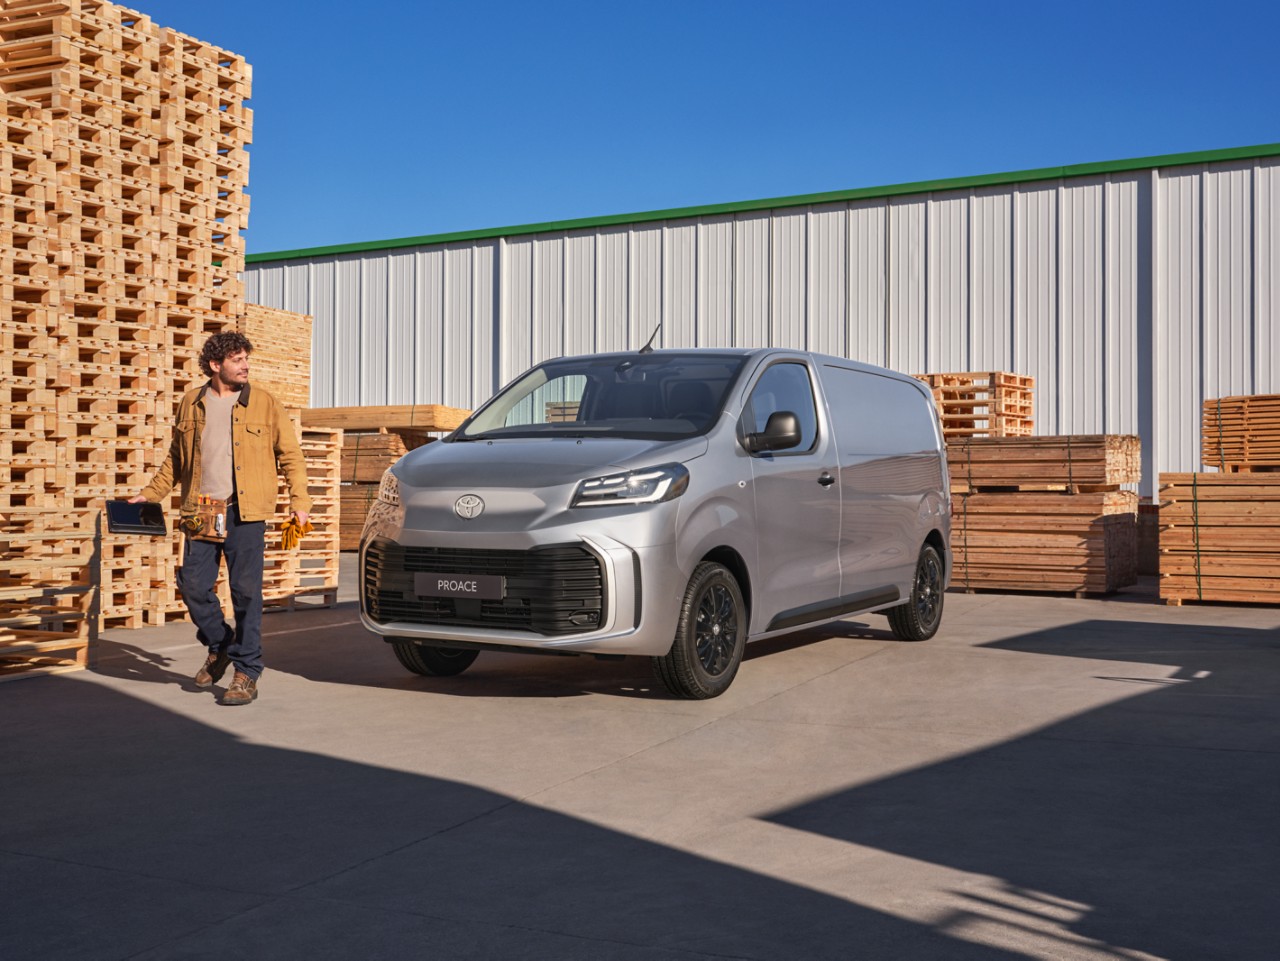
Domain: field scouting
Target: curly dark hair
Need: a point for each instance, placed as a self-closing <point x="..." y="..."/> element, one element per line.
<point x="221" y="346"/>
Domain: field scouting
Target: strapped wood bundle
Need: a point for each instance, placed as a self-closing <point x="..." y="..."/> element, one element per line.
<point x="1045" y="513"/>
<point x="1067" y="462"/>
<point x="1220" y="537"/>
<point x="1082" y="543"/>
<point x="1240" y="434"/>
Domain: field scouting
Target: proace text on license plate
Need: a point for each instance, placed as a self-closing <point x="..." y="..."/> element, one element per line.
<point x="481" y="587"/>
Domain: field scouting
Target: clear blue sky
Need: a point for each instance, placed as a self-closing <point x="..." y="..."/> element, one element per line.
<point x="396" y="119"/>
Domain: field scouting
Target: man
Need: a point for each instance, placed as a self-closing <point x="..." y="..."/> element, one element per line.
<point x="227" y="442"/>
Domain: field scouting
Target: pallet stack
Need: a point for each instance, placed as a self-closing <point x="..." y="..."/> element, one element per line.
<point x="1220" y="531"/>
<point x="374" y="438"/>
<point x="984" y="404"/>
<point x="281" y="360"/>
<point x="122" y="198"/>
<point x="1045" y="513"/>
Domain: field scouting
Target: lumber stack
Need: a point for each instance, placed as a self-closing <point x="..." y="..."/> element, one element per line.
<point x="374" y="438"/>
<point x="1069" y="462"/>
<point x="1241" y="434"/>
<point x="122" y="200"/>
<point x="1045" y="513"/>
<point x="365" y="458"/>
<point x="982" y="404"/>
<point x="1220" y="537"/>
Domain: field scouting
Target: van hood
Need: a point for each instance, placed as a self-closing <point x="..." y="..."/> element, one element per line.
<point x="535" y="463"/>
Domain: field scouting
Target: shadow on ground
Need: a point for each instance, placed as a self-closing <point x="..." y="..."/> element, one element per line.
<point x="133" y="832"/>
<point x="349" y="654"/>
<point x="1152" y="824"/>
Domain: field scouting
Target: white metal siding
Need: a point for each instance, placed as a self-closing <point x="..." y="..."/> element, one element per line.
<point x="1129" y="297"/>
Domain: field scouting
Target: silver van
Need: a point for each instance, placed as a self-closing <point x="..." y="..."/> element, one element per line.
<point x="674" y="504"/>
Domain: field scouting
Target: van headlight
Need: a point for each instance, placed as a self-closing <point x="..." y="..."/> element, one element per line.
<point x="648" y="486"/>
<point x="389" y="489"/>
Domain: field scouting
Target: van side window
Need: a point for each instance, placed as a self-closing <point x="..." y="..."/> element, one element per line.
<point x="785" y="387"/>
<point x="874" y="415"/>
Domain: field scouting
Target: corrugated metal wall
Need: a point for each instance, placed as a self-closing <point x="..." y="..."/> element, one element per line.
<point x="1129" y="297"/>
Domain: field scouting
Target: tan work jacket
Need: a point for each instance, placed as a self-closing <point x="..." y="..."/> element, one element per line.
<point x="261" y="438"/>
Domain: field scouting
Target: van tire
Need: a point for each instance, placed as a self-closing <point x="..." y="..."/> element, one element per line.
<point x="713" y="612"/>
<point x="920" y="617"/>
<point x="433" y="661"/>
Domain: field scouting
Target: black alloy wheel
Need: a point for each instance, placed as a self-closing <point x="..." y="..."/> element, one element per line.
<point x="711" y="635"/>
<point x="919" y="618"/>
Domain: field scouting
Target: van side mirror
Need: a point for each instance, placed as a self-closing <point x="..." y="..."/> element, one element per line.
<point x="781" y="432"/>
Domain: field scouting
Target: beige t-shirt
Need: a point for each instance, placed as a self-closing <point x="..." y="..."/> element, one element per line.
<point x="216" y="461"/>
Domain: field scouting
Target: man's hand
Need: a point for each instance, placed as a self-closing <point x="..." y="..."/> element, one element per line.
<point x="301" y="517"/>
<point x="137" y="500"/>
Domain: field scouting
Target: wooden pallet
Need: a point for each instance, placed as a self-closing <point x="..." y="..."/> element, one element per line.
<point x="108" y="287"/>
<point x="983" y="404"/>
<point x="1220" y="538"/>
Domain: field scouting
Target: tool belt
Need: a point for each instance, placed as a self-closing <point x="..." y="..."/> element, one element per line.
<point x="209" y="522"/>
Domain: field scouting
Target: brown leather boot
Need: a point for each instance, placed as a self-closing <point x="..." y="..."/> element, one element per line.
<point x="243" y="690"/>
<point x="215" y="665"/>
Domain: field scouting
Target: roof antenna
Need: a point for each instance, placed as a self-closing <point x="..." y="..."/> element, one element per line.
<point x="648" y="348"/>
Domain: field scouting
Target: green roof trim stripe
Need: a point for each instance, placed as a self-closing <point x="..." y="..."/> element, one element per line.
<point x="834" y="196"/>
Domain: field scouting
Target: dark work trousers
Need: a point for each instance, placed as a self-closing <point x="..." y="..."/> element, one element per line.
<point x="243" y="549"/>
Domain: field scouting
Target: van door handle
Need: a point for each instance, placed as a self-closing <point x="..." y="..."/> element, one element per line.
<point x="825" y="479"/>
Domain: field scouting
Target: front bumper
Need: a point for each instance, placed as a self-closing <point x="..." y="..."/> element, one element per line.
<point x="638" y="591"/>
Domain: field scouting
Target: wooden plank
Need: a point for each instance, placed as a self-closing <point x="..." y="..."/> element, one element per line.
<point x="421" y="417"/>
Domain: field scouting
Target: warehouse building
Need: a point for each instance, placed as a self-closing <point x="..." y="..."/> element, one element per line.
<point x="1130" y="290"/>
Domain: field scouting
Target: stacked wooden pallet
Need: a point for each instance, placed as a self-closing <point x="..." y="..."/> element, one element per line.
<point x="374" y="438"/>
<point x="1241" y="434"/>
<point x="281" y="360"/>
<point x="1045" y="513"/>
<point x="122" y="199"/>
<point x="983" y="404"/>
<point x="1220" y="537"/>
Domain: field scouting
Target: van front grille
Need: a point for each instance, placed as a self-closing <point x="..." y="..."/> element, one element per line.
<point x="551" y="590"/>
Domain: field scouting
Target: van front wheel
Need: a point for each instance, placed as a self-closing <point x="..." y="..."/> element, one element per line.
<point x="918" y="619"/>
<point x="710" y="636"/>
<point x="433" y="661"/>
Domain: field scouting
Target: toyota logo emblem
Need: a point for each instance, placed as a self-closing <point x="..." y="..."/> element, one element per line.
<point x="468" y="506"/>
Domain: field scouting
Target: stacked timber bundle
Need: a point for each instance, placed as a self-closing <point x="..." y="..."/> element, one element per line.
<point x="374" y="438"/>
<point x="1045" y="513"/>
<point x="1220" y="538"/>
<point x="122" y="198"/>
<point x="986" y="404"/>
<point x="1241" y="434"/>
<point x="1068" y="462"/>
<point x="1219" y="531"/>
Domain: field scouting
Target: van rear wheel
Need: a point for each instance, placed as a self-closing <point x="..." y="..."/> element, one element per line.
<point x="433" y="661"/>
<point x="919" y="618"/>
<point x="710" y="636"/>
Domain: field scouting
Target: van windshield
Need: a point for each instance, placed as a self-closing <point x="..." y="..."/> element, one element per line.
<point x="645" y="396"/>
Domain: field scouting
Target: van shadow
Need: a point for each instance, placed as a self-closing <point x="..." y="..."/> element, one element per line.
<point x="131" y="831"/>
<point x="1152" y="822"/>
<point x="346" y="653"/>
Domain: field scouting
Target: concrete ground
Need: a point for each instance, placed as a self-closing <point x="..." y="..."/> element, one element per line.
<point x="1047" y="778"/>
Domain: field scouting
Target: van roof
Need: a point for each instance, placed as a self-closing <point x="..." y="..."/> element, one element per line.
<point x="621" y="355"/>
